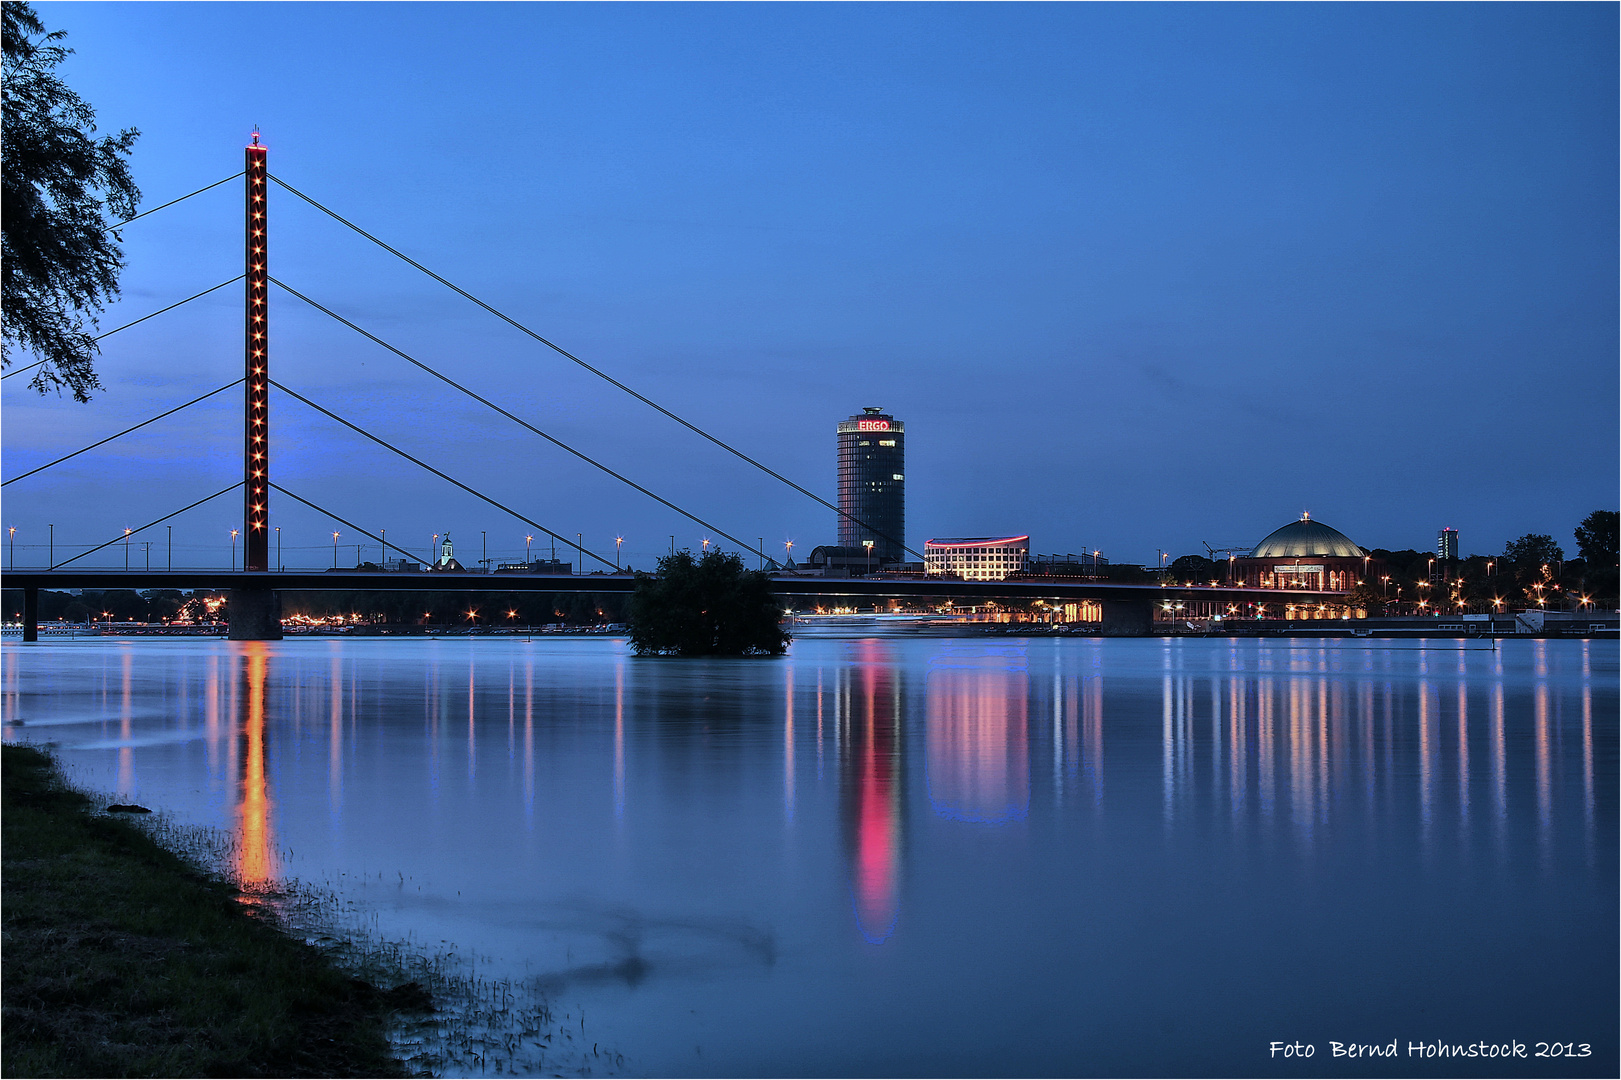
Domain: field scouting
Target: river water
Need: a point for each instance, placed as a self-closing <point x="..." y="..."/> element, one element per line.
<point x="924" y="856"/>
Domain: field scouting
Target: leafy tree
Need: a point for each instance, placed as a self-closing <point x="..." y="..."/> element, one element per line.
<point x="1195" y="569"/>
<point x="713" y="606"/>
<point x="1367" y="598"/>
<point x="1596" y="538"/>
<point x="61" y="260"/>
<point x="1531" y="552"/>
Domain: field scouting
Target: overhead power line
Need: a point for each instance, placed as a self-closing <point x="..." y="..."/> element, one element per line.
<point x="126" y="326"/>
<point x="126" y="431"/>
<point x="517" y="420"/>
<point x="595" y="371"/>
<point x="148" y="525"/>
<point x="443" y="476"/>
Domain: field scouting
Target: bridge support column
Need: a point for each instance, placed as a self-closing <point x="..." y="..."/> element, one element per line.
<point x="1127" y="618"/>
<point x="255" y="614"/>
<point x="31" y="613"/>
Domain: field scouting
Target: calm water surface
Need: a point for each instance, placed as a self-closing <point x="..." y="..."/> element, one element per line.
<point x="923" y="856"/>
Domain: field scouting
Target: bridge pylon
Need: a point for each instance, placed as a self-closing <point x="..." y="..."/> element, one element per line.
<point x="255" y="611"/>
<point x="256" y="436"/>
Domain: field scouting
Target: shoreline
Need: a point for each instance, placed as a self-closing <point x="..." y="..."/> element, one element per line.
<point x="124" y="958"/>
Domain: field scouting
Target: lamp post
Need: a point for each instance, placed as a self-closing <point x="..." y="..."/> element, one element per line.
<point x="527" y="540"/>
<point x="579" y="551"/>
<point x="868" y="545"/>
<point x="12" y="532"/>
<point x="484" y="548"/>
<point x="762" y="553"/>
<point x="334" y="550"/>
<point x="233" y="551"/>
<point x="50" y="559"/>
<point x="788" y="550"/>
<point x="618" y="540"/>
<point x="171" y="546"/>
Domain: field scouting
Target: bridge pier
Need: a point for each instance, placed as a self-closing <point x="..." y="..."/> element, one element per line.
<point x="30" y="612"/>
<point x="255" y="614"/>
<point x="1127" y="618"/>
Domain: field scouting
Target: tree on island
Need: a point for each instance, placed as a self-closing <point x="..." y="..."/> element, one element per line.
<point x="710" y="606"/>
<point x="61" y="256"/>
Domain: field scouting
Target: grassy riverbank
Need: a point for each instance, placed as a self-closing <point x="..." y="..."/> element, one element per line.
<point x="121" y="959"/>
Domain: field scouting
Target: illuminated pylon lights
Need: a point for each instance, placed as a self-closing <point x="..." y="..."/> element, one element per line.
<point x="256" y="445"/>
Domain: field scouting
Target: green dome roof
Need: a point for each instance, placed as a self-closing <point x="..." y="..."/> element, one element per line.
<point x="1306" y="538"/>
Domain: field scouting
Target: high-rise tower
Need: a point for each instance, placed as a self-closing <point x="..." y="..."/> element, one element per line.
<point x="872" y="484"/>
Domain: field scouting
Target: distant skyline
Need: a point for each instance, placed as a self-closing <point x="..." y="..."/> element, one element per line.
<point x="1135" y="277"/>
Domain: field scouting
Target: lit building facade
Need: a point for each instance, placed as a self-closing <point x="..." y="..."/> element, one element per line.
<point x="872" y="484"/>
<point x="976" y="558"/>
<point x="1446" y="545"/>
<point x="1304" y="554"/>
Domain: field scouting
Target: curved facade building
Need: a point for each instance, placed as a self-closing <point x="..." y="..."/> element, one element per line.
<point x="1304" y="554"/>
<point x="872" y="484"/>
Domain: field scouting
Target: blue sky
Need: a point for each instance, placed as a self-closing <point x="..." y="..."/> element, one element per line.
<point x="1135" y="276"/>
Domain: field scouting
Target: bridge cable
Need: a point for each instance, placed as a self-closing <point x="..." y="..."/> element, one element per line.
<point x="126" y="431"/>
<point x="517" y="420"/>
<point x="600" y="374"/>
<point x="126" y="326"/>
<point x="148" y="525"/>
<point x="442" y="476"/>
<point x="171" y="202"/>
<point x="341" y="521"/>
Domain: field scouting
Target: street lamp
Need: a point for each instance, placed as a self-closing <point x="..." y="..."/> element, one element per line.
<point x="618" y="540"/>
<point x="334" y="550"/>
<point x="579" y="550"/>
<point x="788" y="551"/>
<point x="233" y="551"/>
<point x="868" y="545"/>
<point x="527" y="540"/>
<point x="13" y="534"/>
<point x="50" y="559"/>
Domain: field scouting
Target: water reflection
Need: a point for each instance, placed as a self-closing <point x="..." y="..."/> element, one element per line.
<point x="255" y="851"/>
<point x="869" y="730"/>
<point x="977" y="750"/>
<point x="1332" y="763"/>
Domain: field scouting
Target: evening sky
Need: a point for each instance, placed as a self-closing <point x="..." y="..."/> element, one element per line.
<point x="1136" y="277"/>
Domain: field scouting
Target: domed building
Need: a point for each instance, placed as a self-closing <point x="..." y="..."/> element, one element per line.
<point x="1304" y="554"/>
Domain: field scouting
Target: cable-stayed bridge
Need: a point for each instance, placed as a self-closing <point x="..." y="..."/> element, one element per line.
<point x="254" y="602"/>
